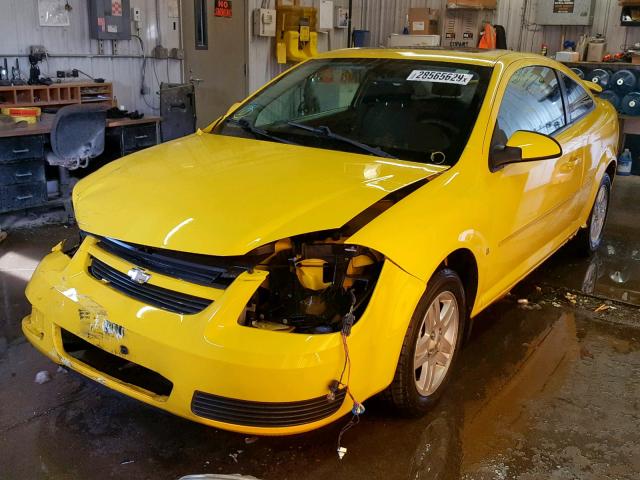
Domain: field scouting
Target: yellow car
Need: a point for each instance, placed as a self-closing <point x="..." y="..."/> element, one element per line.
<point x="330" y="238"/>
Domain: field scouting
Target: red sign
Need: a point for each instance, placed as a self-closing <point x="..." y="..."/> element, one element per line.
<point x="223" y="8"/>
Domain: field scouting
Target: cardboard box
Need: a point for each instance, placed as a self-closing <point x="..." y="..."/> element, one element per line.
<point x="490" y="4"/>
<point x="423" y="21"/>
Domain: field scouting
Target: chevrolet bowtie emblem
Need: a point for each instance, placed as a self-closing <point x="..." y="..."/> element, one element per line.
<point x="138" y="275"/>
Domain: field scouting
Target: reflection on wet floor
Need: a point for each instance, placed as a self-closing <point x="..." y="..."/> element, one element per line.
<point x="614" y="272"/>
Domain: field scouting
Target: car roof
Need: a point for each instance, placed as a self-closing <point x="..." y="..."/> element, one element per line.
<point x="474" y="56"/>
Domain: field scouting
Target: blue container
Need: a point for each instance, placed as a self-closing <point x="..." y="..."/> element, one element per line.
<point x="623" y="81"/>
<point x="600" y="76"/>
<point x="631" y="104"/>
<point x="612" y="97"/>
<point x="361" y="38"/>
<point x="625" y="163"/>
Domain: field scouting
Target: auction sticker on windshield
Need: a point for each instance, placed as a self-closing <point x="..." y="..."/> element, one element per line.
<point x="440" y="77"/>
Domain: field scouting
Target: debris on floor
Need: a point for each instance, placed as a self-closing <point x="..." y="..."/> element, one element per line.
<point x="215" y="476"/>
<point x="571" y="297"/>
<point x="250" y="440"/>
<point x="234" y="456"/>
<point x="42" y="377"/>
<point x="3" y="235"/>
<point x="604" y="307"/>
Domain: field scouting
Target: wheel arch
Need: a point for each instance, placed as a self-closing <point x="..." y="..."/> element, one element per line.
<point x="464" y="263"/>
<point x="611" y="169"/>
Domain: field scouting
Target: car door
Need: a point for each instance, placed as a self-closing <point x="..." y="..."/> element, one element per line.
<point x="533" y="202"/>
<point x="580" y="104"/>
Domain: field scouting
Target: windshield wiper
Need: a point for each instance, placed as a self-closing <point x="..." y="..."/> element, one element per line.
<point x="323" y="131"/>
<point x="247" y="127"/>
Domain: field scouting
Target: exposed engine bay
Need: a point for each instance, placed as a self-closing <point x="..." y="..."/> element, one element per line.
<point x="314" y="281"/>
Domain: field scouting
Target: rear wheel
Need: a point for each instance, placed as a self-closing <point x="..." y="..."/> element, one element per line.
<point x="589" y="239"/>
<point x="430" y="346"/>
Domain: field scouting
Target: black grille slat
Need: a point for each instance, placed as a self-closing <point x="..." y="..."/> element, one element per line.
<point x="147" y="293"/>
<point x="169" y="300"/>
<point x="171" y="297"/>
<point x="283" y="412"/>
<point x="192" y="269"/>
<point x="274" y="408"/>
<point x="264" y="414"/>
<point x="271" y="418"/>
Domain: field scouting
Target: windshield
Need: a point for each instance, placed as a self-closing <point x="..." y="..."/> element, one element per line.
<point x="412" y="110"/>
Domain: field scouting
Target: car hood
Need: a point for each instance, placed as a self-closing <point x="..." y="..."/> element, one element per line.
<point x="221" y="195"/>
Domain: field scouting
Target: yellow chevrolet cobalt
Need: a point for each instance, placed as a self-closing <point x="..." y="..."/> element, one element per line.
<point x="329" y="239"/>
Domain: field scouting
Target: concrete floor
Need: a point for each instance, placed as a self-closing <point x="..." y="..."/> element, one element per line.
<point x="547" y="390"/>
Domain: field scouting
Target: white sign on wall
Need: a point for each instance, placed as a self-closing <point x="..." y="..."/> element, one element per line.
<point x="53" y="13"/>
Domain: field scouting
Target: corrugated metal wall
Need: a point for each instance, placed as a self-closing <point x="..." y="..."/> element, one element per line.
<point x="262" y="57"/>
<point x="19" y="27"/>
<point x="383" y="17"/>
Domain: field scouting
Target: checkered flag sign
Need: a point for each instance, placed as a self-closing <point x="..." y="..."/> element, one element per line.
<point x="116" y="8"/>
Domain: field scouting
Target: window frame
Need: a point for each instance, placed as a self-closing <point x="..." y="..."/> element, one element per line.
<point x="565" y="96"/>
<point x="201" y="24"/>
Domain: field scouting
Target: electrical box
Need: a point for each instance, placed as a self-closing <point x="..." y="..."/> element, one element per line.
<point x="325" y="15"/>
<point x="136" y="14"/>
<point x="342" y="17"/>
<point x="565" y="12"/>
<point x="264" y="22"/>
<point x="110" y="19"/>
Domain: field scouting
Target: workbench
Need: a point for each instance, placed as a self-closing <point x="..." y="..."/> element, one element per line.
<point x="23" y="168"/>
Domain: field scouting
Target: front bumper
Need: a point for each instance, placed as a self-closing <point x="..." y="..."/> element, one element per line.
<point x="209" y="352"/>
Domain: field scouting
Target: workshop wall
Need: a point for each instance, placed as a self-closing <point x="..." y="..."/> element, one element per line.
<point x="70" y="47"/>
<point x="383" y="17"/>
<point x="262" y="58"/>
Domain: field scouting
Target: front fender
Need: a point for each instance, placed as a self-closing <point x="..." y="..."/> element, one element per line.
<point x="420" y="231"/>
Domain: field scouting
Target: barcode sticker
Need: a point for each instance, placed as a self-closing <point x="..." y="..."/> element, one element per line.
<point x="440" y="77"/>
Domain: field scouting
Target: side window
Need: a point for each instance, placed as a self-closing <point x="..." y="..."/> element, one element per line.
<point x="532" y="101"/>
<point x="579" y="101"/>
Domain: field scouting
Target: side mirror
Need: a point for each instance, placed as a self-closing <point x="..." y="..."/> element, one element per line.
<point x="525" y="146"/>
<point x="594" y="87"/>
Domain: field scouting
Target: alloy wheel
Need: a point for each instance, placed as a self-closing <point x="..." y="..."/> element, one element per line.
<point x="598" y="215"/>
<point x="436" y="343"/>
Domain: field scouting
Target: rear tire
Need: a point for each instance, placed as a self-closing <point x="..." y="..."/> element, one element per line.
<point x="589" y="239"/>
<point x="431" y="345"/>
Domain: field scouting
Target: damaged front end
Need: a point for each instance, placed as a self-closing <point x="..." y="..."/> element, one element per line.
<point x="314" y="281"/>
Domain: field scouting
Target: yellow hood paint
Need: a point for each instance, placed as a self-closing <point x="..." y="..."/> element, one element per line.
<point x="221" y="195"/>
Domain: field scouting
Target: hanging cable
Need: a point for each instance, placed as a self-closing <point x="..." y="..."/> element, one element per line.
<point x="143" y="73"/>
<point x="358" y="409"/>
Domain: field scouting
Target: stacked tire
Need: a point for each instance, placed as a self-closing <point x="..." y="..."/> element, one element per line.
<point x="621" y="88"/>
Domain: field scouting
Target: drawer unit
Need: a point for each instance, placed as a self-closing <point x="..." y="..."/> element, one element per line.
<point x="138" y="137"/>
<point x="28" y="171"/>
<point x="16" y="197"/>
<point x="18" y="148"/>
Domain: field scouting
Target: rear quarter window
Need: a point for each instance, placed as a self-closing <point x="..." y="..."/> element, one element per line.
<point x="578" y="99"/>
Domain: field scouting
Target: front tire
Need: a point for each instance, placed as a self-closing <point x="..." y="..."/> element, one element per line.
<point x="431" y="345"/>
<point x="589" y="239"/>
